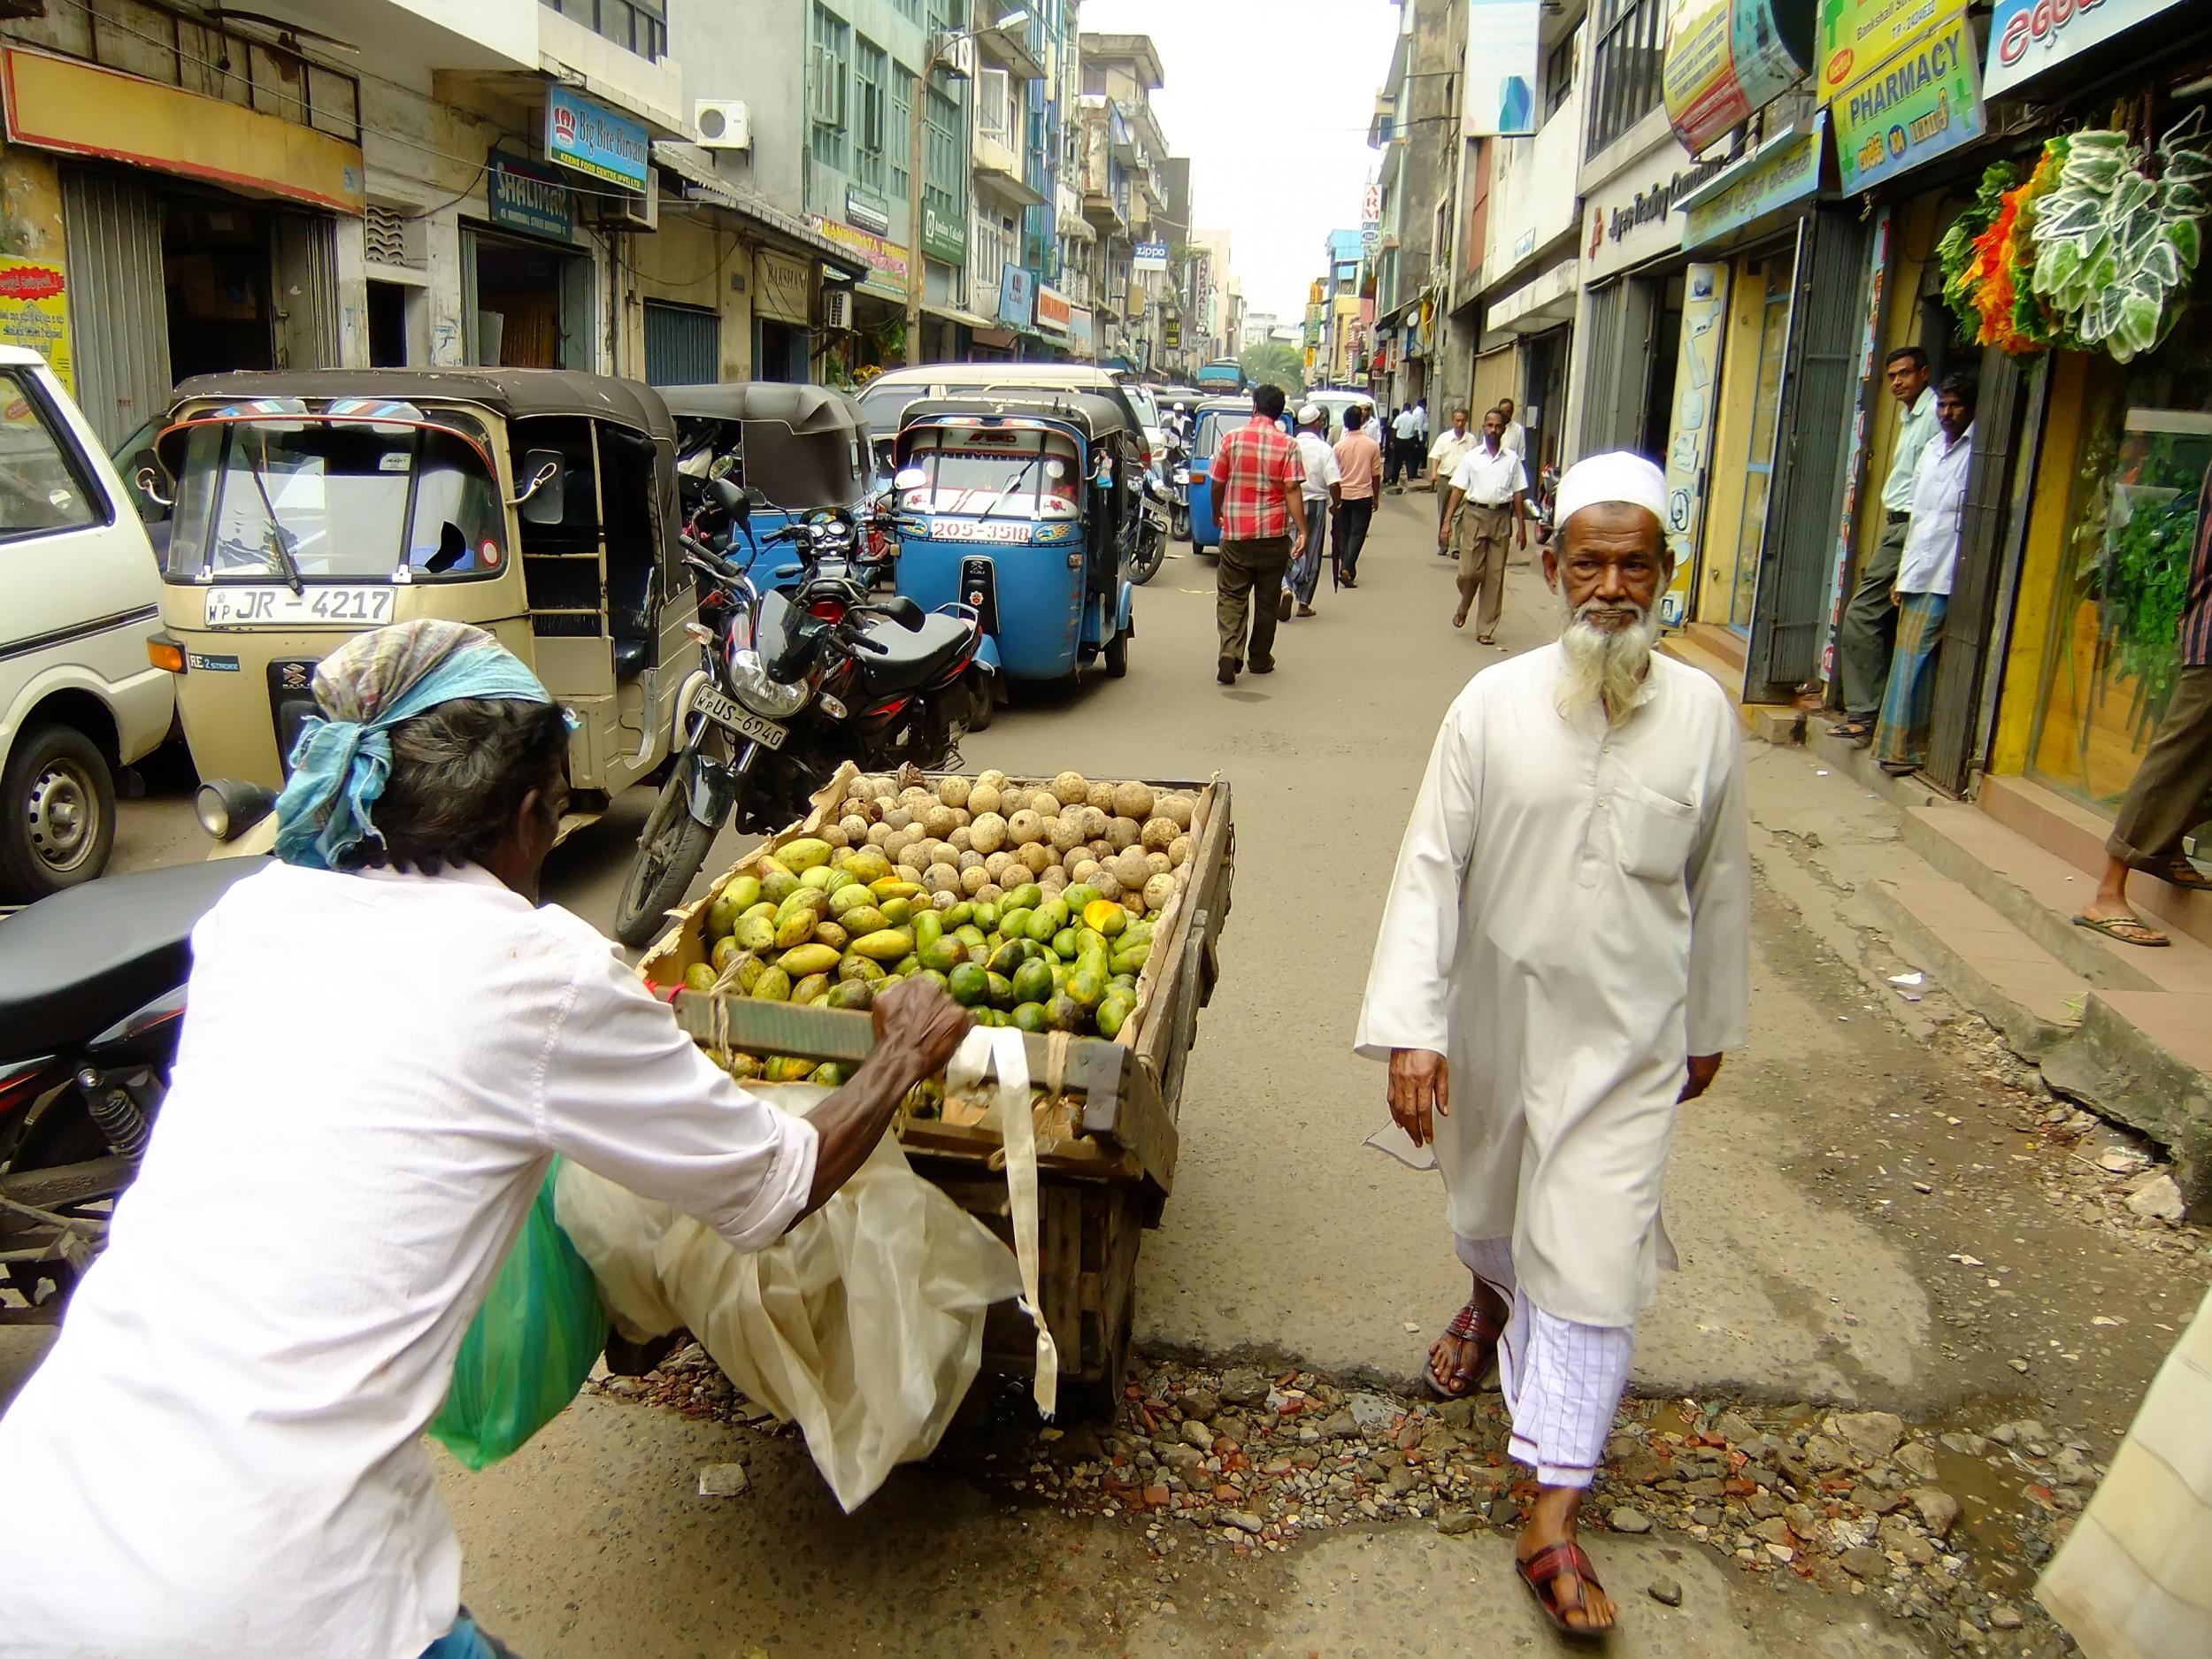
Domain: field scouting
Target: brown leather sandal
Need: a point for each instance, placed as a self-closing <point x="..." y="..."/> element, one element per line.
<point x="1541" y="1570"/>
<point x="1469" y="1324"/>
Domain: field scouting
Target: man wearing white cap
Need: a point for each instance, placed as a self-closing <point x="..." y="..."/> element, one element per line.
<point x="1324" y="482"/>
<point x="1563" y="958"/>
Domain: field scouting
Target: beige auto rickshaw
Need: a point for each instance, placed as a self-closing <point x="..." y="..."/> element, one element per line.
<point x="538" y="503"/>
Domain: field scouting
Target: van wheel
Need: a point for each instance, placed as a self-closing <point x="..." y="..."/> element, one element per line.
<point x="57" y="812"/>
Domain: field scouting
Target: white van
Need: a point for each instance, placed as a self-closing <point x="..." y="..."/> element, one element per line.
<point x="80" y="593"/>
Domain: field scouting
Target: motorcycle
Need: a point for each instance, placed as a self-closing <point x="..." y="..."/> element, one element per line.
<point x="1149" y="530"/>
<point x="798" y="679"/>
<point x="1179" y="482"/>
<point x="92" y="1000"/>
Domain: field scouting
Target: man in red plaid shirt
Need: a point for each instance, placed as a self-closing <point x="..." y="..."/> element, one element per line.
<point x="1258" y="478"/>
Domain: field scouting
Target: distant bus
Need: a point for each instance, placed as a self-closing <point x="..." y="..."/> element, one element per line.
<point x="1223" y="374"/>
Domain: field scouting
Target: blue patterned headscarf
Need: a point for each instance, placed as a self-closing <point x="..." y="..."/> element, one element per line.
<point x="368" y="686"/>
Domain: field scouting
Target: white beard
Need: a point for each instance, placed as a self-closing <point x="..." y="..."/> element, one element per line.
<point x="1603" y="665"/>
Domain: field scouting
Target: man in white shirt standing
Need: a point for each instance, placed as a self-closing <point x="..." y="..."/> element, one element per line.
<point x="1869" y="628"/>
<point x="1924" y="569"/>
<point x="1564" y="957"/>
<point x="387" y="1041"/>
<point x="1405" y="432"/>
<point x="1482" y="511"/>
<point x="1445" y="456"/>
<point x="1324" y="484"/>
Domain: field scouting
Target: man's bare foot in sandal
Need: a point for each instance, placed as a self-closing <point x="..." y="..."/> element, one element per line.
<point x="1461" y="1356"/>
<point x="2109" y="912"/>
<point x="1459" y="618"/>
<point x="1553" y="1565"/>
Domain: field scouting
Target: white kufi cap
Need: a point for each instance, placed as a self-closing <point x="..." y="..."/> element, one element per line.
<point x="1616" y="476"/>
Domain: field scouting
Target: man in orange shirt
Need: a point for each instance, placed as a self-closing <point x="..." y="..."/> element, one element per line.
<point x="1360" y="461"/>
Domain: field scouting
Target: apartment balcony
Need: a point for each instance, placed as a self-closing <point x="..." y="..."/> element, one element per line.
<point x="997" y="167"/>
<point x="1108" y="210"/>
<point x="1017" y="50"/>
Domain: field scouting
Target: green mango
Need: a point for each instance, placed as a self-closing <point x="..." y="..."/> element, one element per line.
<point x="788" y="1068"/>
<point x="748" y="973"/>
<point x="1063" y="944"/>
<point x="744" y="1067"/>
<point x="724" y="952"/>
<point x="1043" y="923"/>
<point x="942" y="981"/>
<point x="1011" y="955"/>
<point x="700" y="976"/>
<point x="754" y="931"/>
<point x="774" y="986"/>
<point x="854" y="994"/>
<point x="968" y="985"/>
<point x="1001" y="989"/>
<point x="852" y="896"/>
<point x="732" y="902"/>
<point x="968" y="935"/>
<point x="1125" y="983"/>
<point x="811" y="987"/>
<point x="1064" y="1013"/>
<point x="777" y="884"/>
<point x="1033" y="982"/>
<point x="817" y="879"/>
<point x="959" y="916"/>
<point x="944" y="955"/>
<point x="1086" y="985"/>
<point x="863" y="920"/>
<point x="906" y="964"/>
<point x="1113" y="1013"/>
<point x="1013" y="922"/>
<point x="1129" y="960"/>
<point x="1027" y="896"/>
<point x="1079" y="897"/>
<point x="856" y="969"/>
<point x="1031" y="1017"/>
<point x="886" y="944"/>
<point x="832" y="935"/>
<point x="896" y="911"/>
<point x="987" y="917"/>
<point x="1058" y="909"/>
<point x="928" y="928"/>
<point x="799" y="899"/>
<point x="802" y="960"/>
<point x="805" y="853"/>
<point x="829" y="1072"/>
<point x="797" y="928"/>
<point x="990" y="1016"/>
<point x="839" y="880"/>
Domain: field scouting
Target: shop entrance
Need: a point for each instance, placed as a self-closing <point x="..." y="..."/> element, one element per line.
<point x="215" y="274"/>
<point x="532" y="304"/>
<point x="781" y="352"/>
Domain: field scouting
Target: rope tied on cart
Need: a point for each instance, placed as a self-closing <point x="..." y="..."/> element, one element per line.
<point x="1000" y="1049"/>
<point x="371" y="683"/>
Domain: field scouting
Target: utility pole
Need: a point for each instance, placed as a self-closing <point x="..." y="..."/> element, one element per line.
<point x="940" y="46"/>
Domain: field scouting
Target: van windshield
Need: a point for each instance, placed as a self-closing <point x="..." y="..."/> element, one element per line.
<point x="346" y="500"/>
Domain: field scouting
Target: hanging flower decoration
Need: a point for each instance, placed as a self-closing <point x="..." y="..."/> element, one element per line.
<point x="2089" y="252"/>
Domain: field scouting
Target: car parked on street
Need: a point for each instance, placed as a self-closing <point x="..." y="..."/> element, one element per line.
<point x="80" y="699"/>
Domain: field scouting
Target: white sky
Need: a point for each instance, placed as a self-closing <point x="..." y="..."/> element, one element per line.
<point x="1271" y="100"/>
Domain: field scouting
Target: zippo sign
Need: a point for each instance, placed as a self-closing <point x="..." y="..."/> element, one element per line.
<point x="2027" y="37"/>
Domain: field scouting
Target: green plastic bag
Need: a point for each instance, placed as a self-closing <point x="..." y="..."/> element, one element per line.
<point x="532" y="1343"/>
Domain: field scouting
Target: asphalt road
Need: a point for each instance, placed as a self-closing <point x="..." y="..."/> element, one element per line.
<point x="1285" y="1238"/>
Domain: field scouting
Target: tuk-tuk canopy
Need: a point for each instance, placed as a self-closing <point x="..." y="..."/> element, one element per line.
<point x="803" y="447"/>
<point x="1097" y="418"/>
<point x="511" y="394"/>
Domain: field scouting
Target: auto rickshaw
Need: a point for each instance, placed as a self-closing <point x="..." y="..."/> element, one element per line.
<point x="1212" y="418"/>
<point x="540" y="505"/>
<point x="1017" y="509"/>
<point x="804" y="447"/>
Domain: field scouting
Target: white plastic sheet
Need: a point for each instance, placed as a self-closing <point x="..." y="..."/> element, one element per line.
<point x="864" y="1324"/>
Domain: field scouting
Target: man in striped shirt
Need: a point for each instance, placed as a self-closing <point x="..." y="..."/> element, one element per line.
<point x="2166" y="800"/>
<point x="1258" y="478"/>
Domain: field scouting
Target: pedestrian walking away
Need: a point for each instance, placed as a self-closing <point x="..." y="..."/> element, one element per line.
<point x="1259" y="481"/>
<point x="1924" y="569"/>
<point x="1405" y="443"/>
<point x="1323" y="481"/>
<point x="1564" y="957"/>
<point x="2173" y="785"/>
<point x="1483" y="514"/>
<point x="223" y="1453"/>
<point x="1869" y="630"/>
<point x="1445" y="456"/>
<point x="1360" y="463"/>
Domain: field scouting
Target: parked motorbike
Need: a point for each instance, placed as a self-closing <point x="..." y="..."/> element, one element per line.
<point x="796" y="681"/>
<point x="91" y="1000"/>
<point x="1149" y="546"/>
<point x="1546" y="492"/>
<point x="1179" y="486"/>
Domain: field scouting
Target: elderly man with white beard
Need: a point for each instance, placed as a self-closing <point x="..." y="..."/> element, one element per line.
<point x="1564" y="957"/>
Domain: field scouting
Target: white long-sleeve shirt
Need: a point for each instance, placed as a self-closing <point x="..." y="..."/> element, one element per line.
<point x="223" y="1453"/>
<point x="1569" y="921"/>
<point x="1930" y="555"/>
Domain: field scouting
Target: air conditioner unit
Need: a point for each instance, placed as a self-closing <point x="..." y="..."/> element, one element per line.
<point x="837" y="308"/>
<point x="959" y="59"/>
<point x="723" y="123"/>
<point x="631" y="210"/>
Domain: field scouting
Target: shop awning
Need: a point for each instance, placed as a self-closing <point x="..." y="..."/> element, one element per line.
<point x="1773" y="185"/>
<point x="1544" y="301"/>
<point x="954" y="314"/>
<point x="704" y="185"/>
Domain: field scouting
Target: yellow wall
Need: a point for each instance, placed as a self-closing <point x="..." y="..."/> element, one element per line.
<point x="689" y="262"/>
<point x="2042" y="565"/>
<point x="1731" y="442"/>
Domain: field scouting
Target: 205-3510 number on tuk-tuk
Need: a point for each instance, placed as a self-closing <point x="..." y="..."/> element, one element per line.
<point x="239" y="607"/>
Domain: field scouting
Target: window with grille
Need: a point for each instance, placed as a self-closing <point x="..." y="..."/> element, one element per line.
<point x="944" y="158"/>
<point x="1631" y="36"/>
<point x="902" y="128"/>
<point x="871" y="76"/>
<point x="390" y="238"/>
<point x="826" y="87"/>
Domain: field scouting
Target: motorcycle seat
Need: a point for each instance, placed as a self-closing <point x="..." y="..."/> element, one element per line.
<point x="73" y="964"/>
<point x="915" y="658"/>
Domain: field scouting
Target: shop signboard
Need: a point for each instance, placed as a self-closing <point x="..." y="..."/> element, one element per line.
<point x="865" y="208"/>
<point x="1631" y="218"/>
<point x="1149" y="256"/>
<point x="780" y="285"/>
<point x="2027" y="37"/>
<point x="591" y="139"/>
<point x="1016" y="296"/>
<point x="521" y="196"/>
<point x="1856" y="35"/>
<point x="1690" y="435"/>
<point x="1079" y="330"/>
<point x="1785" y="172"/>
<point x="1172" y="334"/>
<point x="1923" y="102"/>
<point x="886" y="265"/>
<point x="941" y="239"/>
<point x="34" y="312"/>
<point x="1055" y="314"/>
<point x="1727" y="59"/>
<point x="1500" y="99"/>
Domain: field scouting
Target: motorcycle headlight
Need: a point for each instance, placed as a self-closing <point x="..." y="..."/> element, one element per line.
<point x="1182" y="475"/>
<point x="770" y="698"/>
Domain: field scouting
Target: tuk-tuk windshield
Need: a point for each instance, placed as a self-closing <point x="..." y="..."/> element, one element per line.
<point x="352" y="500"/>
<point x="997" y="473"/>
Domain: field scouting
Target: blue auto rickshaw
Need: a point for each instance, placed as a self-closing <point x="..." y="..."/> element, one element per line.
<point x="1211" y="418"/>
<point x="1020" y="510"/>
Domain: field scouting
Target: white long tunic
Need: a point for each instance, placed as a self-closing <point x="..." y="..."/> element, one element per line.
<point x="223" y="1453"/>
<point x="1568" y="921"/>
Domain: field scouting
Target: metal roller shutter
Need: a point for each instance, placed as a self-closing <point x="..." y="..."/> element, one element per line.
<point x="1497" y="374"/>
<point x="683" y="345"/>
<point x="118" y="319"/>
